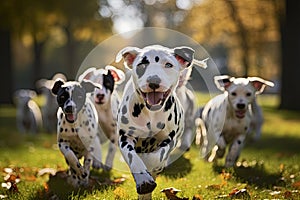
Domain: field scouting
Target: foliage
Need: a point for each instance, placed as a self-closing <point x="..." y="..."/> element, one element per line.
<point x="267" y="169"/>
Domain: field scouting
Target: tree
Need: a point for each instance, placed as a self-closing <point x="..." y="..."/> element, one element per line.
<point x="290" y="92"/>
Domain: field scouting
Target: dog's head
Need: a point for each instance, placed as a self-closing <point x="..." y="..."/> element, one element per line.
<point x="23" y="96"/>
<point x="155" y="71"/>
<point x="105" y="79"/>
<point x="241" y="91"/>
<point x="71" y="96"/>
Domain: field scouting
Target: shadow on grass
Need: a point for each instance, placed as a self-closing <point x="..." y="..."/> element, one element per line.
<point x="178" y="169"/>
<point x="253" y="174"/>
<point x="284" y="145"/>
<point x="57" y="187"/>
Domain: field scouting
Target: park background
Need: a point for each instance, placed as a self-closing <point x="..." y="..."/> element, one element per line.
<point x="244" y="38"/>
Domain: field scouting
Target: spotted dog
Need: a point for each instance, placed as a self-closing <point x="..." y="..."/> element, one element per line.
<point x="49" y="108"/>
<point x="77" y="128"/>
<point x="150" y="116"/>
<point x="228" y="118"/>
<point x="106" y="101"/>
<point x="187" y="100"/>
<point x="29" y="117"/>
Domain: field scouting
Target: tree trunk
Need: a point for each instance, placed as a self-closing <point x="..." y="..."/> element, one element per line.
<point x="38" y="47"/>
<point x="290" y="90"/>
<point x="242" y="36"/>
<point x="6" y="86"/>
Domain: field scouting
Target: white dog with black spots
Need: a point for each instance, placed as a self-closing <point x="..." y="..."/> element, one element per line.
<point x="228" y="118"/>
<point x="77" y="129"/>
<point x="150" y="116"/>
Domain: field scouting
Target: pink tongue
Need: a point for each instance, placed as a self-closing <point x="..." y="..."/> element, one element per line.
<point x="71" y="117"/>
<point x="154" y="98"/>
<point x="240" y="114"/>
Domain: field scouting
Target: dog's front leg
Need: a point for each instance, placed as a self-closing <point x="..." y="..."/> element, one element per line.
<point x="144" y="181"/>
<point x="234" y="150"/>
<point x="71" y="159"/>
<point x="111" y="152"/>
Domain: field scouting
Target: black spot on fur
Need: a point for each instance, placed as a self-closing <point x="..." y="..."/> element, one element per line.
<point x="124" y="120"/>
<point x="170" y="117"/>
<point x="138" y="150"/>
<point x="123" y="144"/>
<point x="137" y="109"/>
<point x="156" y="58"/>
<point x="169" y="103"/>
<point x="149" y="125"/>
<point x="152" y="140"/>
<point x="172" y="134"/>
<point x="121" y="132"/>
<point x="160" y="125"/>
<point x="129" y="147"/>
<point x="239" y="141"/>
<point x="124" y="110"/>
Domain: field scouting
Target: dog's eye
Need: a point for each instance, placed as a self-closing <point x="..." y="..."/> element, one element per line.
<point x="248" y="94"/>
<point x="233" y="93"/>
<point x="168" y="65"/>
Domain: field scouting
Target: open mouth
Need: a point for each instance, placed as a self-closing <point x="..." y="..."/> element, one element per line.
<point x="240" y="113"/>
<point x="154" y="100"/>
<point x="71" y="117"/>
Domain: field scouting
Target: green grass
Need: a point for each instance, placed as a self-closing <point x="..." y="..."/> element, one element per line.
<point x="267" y="169"/>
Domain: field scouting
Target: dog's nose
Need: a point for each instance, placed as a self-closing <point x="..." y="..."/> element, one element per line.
<point x="100" y="96"/>
<point x="154" y="82"/>
<point x="241" y="105"/>
<point x="69" y="109"/>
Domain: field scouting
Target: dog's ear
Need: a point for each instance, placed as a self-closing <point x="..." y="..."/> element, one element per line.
<point x="184" y="55"/>
<point x="128" y="54"/>
<point x="87" y="74"/>
<point x="88" y="86"/>
<point x="260" y="84"/>
<point x="117" y="74"/>
<point x="223" y="82"/>
<point x="57" y="85"/>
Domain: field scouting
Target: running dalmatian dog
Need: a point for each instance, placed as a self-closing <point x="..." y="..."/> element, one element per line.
<point x="187" y="100"/>
<point x="150" y="116"/>
<point x="106" y="101"/>
<point x="77" y="129"/>
<point x="228" y="118"/>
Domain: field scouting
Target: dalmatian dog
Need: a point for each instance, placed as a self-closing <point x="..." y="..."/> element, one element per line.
<point x="106" y="101"/>
<point x="187" y="100"/>
<point x="77" y="129"/>
<point x="228" y="118"/>
<point x="49" y="107"/>
<point x="29" y="117"/>
<point x="150" y="117"/>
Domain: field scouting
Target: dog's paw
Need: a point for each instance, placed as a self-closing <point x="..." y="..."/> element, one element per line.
<point x="144" y="183"/>
<point x="96" y="164"/>
<point x="107" y="168"/>
<point x="146" y="187"/>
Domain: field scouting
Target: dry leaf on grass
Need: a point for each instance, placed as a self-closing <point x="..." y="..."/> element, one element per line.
<point x="171" y="194"/>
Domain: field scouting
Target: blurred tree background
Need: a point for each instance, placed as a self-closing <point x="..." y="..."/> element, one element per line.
<point x="244" y="38"/>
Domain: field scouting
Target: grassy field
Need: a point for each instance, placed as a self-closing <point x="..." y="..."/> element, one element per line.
<point x="267" y="169"/>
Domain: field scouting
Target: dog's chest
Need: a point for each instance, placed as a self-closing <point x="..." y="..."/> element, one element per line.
<point x="234" y="127"/>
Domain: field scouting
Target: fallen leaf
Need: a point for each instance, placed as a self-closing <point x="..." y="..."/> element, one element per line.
<point x="44" y="171"/>
<point x="296" y="185"/>
<point x="214" y="187"/>
<point x="197" y="197"/>
<point x="287" y="194"/>
<point x="239" y="194"/>
<point x="171" y="193"/>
